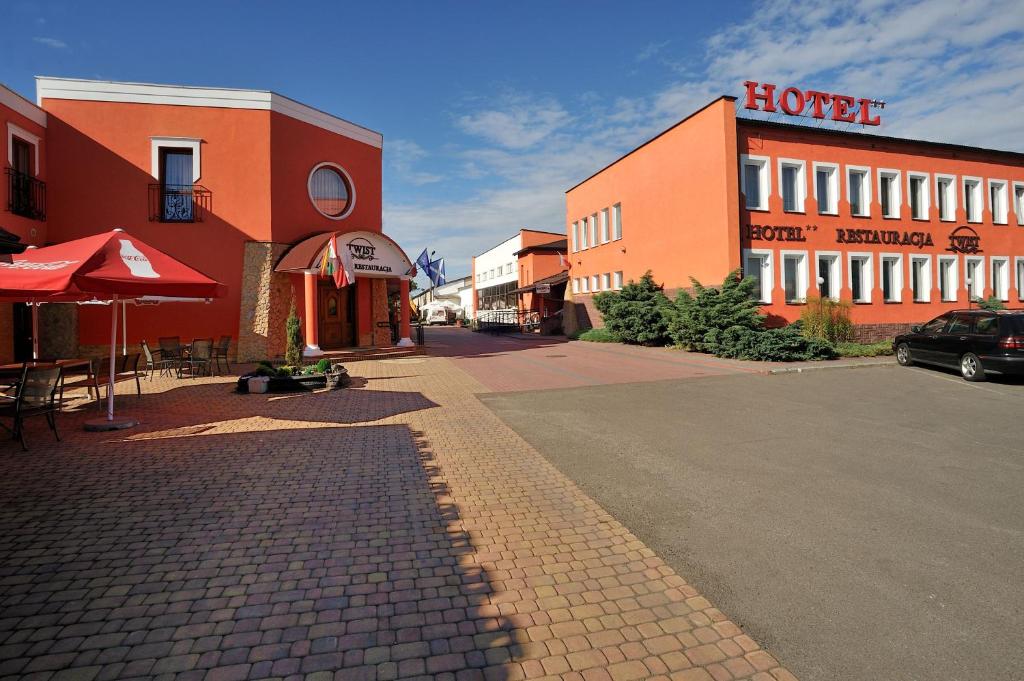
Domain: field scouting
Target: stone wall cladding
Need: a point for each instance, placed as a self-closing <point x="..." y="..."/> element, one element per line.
<point x="58" y="330"/>
<point x="6" y="333"/>
<point x="381" y="334"/>
<point x="266" y="297"/>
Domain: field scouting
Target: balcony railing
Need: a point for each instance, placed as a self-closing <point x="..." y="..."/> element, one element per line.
<point x="26" y="196"/>
<point x="178" y="202"/>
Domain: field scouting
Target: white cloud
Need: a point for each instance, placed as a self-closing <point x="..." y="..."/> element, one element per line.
<point x="51" y="42"/>
<point x="402" y="156"/>
<point x="949" y="71"/>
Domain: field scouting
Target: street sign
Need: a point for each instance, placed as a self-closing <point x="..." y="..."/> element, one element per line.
<point x="543" y="288"/>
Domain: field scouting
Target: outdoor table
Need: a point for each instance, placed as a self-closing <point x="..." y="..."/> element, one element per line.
<point x="10" y="374"/>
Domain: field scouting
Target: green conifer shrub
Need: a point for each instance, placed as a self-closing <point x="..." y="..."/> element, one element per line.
<point x="638" y="314"/>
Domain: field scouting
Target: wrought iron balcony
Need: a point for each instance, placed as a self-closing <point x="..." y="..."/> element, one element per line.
<point x="26" y="196"/>
<point x="178" y="202"/>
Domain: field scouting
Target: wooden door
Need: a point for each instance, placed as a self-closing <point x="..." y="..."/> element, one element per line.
<point x="335" y="317"/>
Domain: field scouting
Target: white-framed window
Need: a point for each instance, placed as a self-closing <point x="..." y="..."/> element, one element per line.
<point x="891" y="265"/>
<point x="1019" y="262"/>
<point x="606" y="281"/>
<point x="917" y="195"/>
<point x="617" y="280"/>
<point x="593" y="229"/>
<point x="595" y="283"/>
<point x="974" y="276"/>
<point x="973" y="202"/>
<point x="997" y="201"/>
<point x="576" y="285"/>
<point x="1000" y="265"/>
<point x="826" y="188"/>
<point x="1018" y="201"/>
<point x="583" y="234"/>
<point x="858" y="190"/>
<point x="757" y="264"/>
<point x="828" y="274"/>
<point x="862" y="280"/>
<point x="945" y="197"/>
<point x="921" y="278"/>
<point x="23" y="150"/>
<point x="889" y="192"/>
<point x="948" y="278"/>
<point x="755" y="181"/>
<point x="159" y="145"/>
<point x="574" y="237"/>
<point x="792" y="184"/>
<point x="478" y="278"/>
<point x="604" y="226"/>
<point x="794" y="275"/>
<point x="616" y="222"/>
<point x="585" y="284"/>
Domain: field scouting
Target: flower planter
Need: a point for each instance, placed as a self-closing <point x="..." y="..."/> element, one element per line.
<point x="299" y="383"/>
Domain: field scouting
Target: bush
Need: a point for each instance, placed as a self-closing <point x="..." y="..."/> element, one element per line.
<point x="293" y="336"/>
<point x="827" y="319"/>
<point x="286" y="371"/>
<point x="786" y="344"/>
<point x="597" y="336"/>
<point x="263" y="370"/>
<point x="990" y="303"/>
<point x="701" y="318"/>
<point x="323" y="366"/>
<point x="879" y="349"/>
<point x="638" y="314"/>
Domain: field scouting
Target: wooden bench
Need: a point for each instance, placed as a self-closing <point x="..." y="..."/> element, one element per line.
<point x="126" y="368"/>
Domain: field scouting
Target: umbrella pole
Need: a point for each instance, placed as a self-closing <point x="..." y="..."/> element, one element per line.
<point x="124" y="328"/>
<point x="35" y="331"/>
<point x="113" y="355"/>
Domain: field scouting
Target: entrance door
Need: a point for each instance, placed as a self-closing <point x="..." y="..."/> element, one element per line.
<point x="22" y="332"/>
<point x="336" y="316"/>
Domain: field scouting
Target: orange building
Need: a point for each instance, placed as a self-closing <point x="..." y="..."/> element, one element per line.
<point x="226" y="181"/>
<point x="903" y="229"/>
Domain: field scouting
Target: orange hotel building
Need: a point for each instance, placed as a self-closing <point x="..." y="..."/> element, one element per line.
<point x="903" y="229"/>
<point x="228" y="181"/>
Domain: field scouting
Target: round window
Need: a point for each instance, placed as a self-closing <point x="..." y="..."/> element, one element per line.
<point x="330" y="190"/>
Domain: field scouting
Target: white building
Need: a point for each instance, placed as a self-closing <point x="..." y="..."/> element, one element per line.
<point x="457" y="291"/>
<point x="496" y="271"/>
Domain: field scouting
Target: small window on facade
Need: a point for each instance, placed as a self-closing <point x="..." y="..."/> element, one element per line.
<point x="176" y="184"/>
<point x="574" y="237"/>
<point x="1018" y="202"/>
<point x="892" y="278"/>
<point x="604" y="226"/>
<point x="575" y="285"/>
<point x="593" y="229"/>
<point x="997" y="201"/>
<point x="889" y="193"/>
<point x="860" y="278"/>
<point x="1001" y="278"/>
<point x="617" y="221"/>
<point x="617" y="280"/>
<point x="329" y="191"/>
<point x="947" y="279"/>
<point x="606" y="281"/>
<point x="794" y="277"/>
<point x="946" y="198"/>
<point x="974" y="278"/>
<point x="825" y="188"/>
<point x="585" y="284"/>
<point x="972" y="199"/>
<point x="755" y="182"/>
<point x="757" y="268"/>
<point x="918" y="196"/>
<point x="595" y="284"/>
<point x="583" y="234"/>
<point x="828" y="276"/>
<point x="920" y="279"/>
<point x="792" y="188"/>
<point x="1020" y="279"/>
<point x="858" y="185"/>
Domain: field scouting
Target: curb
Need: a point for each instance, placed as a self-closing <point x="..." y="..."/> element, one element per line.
<point x="799" y="370"/>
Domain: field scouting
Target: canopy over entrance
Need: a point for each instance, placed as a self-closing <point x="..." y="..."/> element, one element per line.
<point x="371" y="254"/>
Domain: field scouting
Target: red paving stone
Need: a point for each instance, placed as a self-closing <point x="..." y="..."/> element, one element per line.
<point x="396" y="529"/>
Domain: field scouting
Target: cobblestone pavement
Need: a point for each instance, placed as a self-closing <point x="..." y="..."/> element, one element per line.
<point x="396" y="529"/>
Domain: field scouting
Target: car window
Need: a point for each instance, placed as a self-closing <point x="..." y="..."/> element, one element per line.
<point x="936" y="325"/>
<point x="987" y="325"/>
<point x="961" y="324"/>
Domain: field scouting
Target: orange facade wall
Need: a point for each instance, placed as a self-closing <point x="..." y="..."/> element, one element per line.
<point x="28" y="230"/>
<point x="820" y="231"/>
<point x="100" y="155"/>
<point x="679" y="216"/>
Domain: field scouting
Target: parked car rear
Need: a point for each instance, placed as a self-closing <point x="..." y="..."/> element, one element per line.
<point x="976" y="342"/>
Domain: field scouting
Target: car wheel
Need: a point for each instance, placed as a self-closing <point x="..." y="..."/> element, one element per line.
<point x="903" y="355"/>
<point x="970" y="367"/>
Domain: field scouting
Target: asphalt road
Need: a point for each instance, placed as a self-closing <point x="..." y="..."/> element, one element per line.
<point x="861" y="523"/>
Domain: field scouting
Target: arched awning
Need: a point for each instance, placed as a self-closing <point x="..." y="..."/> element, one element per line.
<point x="372" y="255"/>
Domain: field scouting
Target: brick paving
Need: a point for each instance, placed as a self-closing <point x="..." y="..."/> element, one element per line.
<point x="396" y="529"/>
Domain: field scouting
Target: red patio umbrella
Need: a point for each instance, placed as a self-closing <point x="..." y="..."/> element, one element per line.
<point x="111" y="266"/>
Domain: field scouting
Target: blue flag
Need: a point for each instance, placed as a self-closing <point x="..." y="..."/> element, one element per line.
<point x="425" y="265"/>
<point x="437" y="272"/>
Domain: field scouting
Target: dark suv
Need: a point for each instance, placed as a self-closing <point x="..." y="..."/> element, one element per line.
<point x="977" y="342"/>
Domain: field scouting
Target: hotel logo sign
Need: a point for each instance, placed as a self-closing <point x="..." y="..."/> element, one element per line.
<point x="813" y="103"/>
<point x="964" y="240"/>
<point x="361" y="249"/>
<point x="778" y="232"/>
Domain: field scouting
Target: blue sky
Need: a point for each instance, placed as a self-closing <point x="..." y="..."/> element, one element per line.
<point x="490" y="111"/>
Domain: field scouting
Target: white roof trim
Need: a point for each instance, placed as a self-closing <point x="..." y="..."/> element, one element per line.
<point x="187" y="95"/>
<point x="13" y="100"/>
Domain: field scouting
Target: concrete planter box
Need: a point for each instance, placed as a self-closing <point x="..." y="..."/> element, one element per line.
<point x="290" y="384"/>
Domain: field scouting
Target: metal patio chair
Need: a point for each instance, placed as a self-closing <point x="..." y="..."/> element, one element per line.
<point x="35" y="395"/>
<point x="220" y="351"/>
<point x="200" y="358"/>
<point x="156" y="362"/>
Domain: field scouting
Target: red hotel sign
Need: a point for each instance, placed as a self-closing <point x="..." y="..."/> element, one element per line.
<point x="792" y="101"/>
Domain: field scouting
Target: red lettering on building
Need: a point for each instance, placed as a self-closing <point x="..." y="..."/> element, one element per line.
<point x="845" y="109"/>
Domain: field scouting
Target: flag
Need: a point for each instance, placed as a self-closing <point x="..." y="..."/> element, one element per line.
<point x="437" y="272"/>
<point x="564" y="261"/>
<point x="340" y="265"/>
<point x="425" y="265"/>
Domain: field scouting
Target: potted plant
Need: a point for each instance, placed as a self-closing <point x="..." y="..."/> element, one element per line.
<point x="336" y="375"/>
